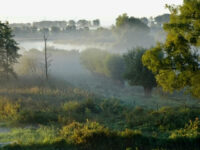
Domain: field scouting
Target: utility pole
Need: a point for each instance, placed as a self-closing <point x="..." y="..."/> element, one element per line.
<point x="45" y="53"/>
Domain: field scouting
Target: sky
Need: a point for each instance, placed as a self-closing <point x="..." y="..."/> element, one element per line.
<point x="23" y="11"/>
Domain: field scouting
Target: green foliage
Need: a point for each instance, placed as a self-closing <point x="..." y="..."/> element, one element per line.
<point x="8" y="52"/>
<point x="93" y="60"/>
<point x="103" y="63"/>
<point x="82" y="133"/>
<point x="176" y="62"/>
<point x="8" y="109"/>
<point x="115" y="67"/>
<point x="136" y="73"/>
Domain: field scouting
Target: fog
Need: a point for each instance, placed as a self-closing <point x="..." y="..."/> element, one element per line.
<point x="66" y="40"/>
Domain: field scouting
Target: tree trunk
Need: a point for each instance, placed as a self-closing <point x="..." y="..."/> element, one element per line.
<point x="7" y="73"/>
<point x="148" y="91"/>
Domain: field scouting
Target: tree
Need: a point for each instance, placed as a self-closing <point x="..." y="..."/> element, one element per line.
<point x="124" y="21"/>
<point x="8" y="52"/>
<point x="136" y="73"/>
<point x="94" y="60"/>
<point x="71" y="23"/>
<point x="161" y="19"/>
<point x="55" y="29"/>
<point x="83" y="23"/>
<point x="115" y="67"/>
<point x="176" y="62"/>
<point x="30" y="64"/>
<point x="131" y="32"/>
<point x="103" y="63"/>
<point x="96" y="22"/>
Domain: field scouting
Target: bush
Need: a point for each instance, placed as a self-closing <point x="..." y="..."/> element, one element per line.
<point x="8" y="109"/>
<point x="83" y="133"/>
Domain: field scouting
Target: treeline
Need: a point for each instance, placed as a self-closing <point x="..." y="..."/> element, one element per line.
<point x="127" y="32"/>
<point x="54" y="26"/>
<point x="57" y="26"/>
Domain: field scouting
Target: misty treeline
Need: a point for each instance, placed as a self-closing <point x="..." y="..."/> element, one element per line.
<point x="173" y="64"/>
<point x="74" y="65"/>
<point x="129" y="33"/>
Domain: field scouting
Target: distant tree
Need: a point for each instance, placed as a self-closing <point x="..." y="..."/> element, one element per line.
<point x="161" y="19"/>
<point x="71" y="23"/>
<point x="131" y="32"/>
<point x="34" y="29"/>
<point x="124" y="21"/>
<point x="176" y="62"/>
<point x="145" y="20"/>
<point x="30" y="64"/>
<point x="115" y="66"/>
<point x="94" y="60"/>
<point x="8" y="52"/>
<point x="96" y="22"/>
<point x="103" y="63"/>
<point x="44" y="30"/>
<point x="55" y="29"/>
<point x="136" y="73"/>
<point x="83" y="23"/>
<point x="70" y="28"/>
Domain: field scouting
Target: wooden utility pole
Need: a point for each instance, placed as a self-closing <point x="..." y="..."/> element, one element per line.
<point x="45" y="53"/>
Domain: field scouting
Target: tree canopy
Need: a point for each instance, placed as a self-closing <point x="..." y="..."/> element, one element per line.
<point x="176" y="62"/>
<point x="124" y="21"/>
<point x="131" y="32"/>
<point x="136" y="73"/>
<point x="8" y="52"/>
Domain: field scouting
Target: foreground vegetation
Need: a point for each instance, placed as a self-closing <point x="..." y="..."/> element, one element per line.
<point x="48" y="118"/>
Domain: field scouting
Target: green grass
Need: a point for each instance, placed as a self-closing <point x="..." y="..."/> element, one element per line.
<point x="30" y="135"/>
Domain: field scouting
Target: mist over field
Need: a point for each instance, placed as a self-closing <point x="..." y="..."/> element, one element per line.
<point x="80" y="85"/>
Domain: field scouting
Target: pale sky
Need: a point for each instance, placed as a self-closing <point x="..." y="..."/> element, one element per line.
<point x="106" y="10"/>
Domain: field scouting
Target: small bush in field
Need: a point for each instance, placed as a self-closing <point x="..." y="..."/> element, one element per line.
<point x="8" y="109"/>
<point x="79" y="133"/>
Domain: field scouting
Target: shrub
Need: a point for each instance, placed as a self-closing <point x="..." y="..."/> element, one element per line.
<point x="8" y="109"/>
<point x="79" y="133"/>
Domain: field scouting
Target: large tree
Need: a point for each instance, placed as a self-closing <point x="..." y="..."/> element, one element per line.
<point x="8" y="52"/>
<point x="136" y="73"/>
<point x="176" y="62"/>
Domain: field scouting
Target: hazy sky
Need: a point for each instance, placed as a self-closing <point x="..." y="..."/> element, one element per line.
<point x="105" y="10"/>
